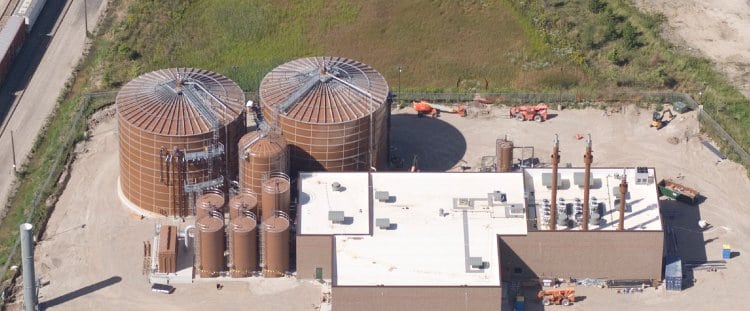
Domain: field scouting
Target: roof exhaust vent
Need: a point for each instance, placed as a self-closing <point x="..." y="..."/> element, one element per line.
<point x="336" y="186"/>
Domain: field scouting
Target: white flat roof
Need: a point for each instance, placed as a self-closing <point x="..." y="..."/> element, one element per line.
<point x="642" y="198"/>
<point x="317" y="198"/>
<point x="423" y="248"/>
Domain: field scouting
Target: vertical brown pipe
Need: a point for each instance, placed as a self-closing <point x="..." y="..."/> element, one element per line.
<point x="587" y="158"/>
<point x="553" y="198"/>
<point x="623" y="192"/>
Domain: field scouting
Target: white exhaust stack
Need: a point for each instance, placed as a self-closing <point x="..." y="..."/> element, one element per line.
<point x="27" y="260"/>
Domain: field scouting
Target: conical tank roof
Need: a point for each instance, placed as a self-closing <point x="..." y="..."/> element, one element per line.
<point x="180" y="101"/>
<point x="324" y="90"/>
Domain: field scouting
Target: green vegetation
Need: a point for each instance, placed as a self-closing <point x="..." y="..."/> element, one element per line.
<point x="440" y="45"/>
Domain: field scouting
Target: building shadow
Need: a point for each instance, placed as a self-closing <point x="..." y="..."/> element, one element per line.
<point x="79" y="292"/>
<point x="438" y="145"/>
<point x="682" y="219"/>
<point x="30" y="56"/>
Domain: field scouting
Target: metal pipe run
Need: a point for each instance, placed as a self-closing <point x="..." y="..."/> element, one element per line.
<point x="623" y="193"/>
<point x="30" y="299"/>
<point x="553" y="197"/>
<point x="587" y="159"/>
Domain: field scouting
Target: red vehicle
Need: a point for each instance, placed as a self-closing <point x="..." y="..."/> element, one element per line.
<point x="422" y="107"/>
<point x="537" y="113"/>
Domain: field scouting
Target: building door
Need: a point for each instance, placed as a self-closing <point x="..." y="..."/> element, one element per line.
<point x="318" y="273"/>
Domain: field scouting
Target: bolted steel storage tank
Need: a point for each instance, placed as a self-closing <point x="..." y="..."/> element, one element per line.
<point x="275" y="195"/>
<point x="504" y="149"/>
<point x="332" y="111"/>
<point x="211" y="245"/>
<point x="261" y="154"/>
<point x="276" y="242"/>
<point x="212" y="200"/>
<point x="244" y="245"/>
<point x="245" y="201"/>
<point x="178" y="131"/>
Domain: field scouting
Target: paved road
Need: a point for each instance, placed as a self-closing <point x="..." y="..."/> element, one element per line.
<point x="48" y="58"/>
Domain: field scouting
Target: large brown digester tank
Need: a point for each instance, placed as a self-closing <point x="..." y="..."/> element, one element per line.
<point x="211" y="240"/>
<point x="212" y="200"/>
<point x="244" y="245"/>
<point x="245" y="201"/>
<point x="332" y="111"/>
<point x="275" y="195"/>
<point x="504" y="151"/>
<point x="178" y="131"/>
<point x="260" y="155"/>
<point x="276" y="252"/>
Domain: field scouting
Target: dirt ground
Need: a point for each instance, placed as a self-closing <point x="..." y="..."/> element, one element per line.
<point x="720" y="31"/>
<point x="91" y="252"/>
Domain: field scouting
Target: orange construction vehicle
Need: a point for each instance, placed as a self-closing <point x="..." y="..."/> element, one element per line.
<point x="537" y="113"/>
<point x="561" y="296"/>
<point x="424" y="108"/>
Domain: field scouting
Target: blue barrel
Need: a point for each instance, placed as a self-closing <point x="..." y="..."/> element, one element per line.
<point x="520" y="304"/>
<point x="726" y="251"/>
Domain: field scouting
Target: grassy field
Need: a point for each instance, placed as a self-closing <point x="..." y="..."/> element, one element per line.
<point x="440" y="45"/>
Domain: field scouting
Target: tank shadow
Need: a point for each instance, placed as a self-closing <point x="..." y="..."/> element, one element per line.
<point x="438" y="145"/>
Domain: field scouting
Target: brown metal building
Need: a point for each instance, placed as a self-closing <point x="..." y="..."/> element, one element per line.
<point x="334" y="113"/>
<point x="579" y="254"/>
<point x="407" y="298"/>
<point x="178" y="131"/>
<point x="260" y="155"/>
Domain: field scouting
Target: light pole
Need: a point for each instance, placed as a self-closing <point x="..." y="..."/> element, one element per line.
<point x="13" y="151"/>
<point x="399" y="80"/>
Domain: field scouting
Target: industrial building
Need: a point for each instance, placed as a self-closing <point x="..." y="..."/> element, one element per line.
<point x="178" y="131"/>
<point x="448" y="241"/>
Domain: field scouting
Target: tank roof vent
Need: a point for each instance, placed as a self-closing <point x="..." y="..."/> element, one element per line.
<point x="336" y="186"/>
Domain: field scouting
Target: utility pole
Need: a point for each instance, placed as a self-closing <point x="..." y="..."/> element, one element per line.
<point x="13" y="151"/>
<point x="85" y="19"/>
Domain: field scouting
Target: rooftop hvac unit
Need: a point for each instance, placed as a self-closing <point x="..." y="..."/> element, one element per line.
<point x="547" y="180"/>
<point x="382" y="196"/>
<point x="463" y="203"/>
<point x="641" y="176"/>
<point x="497" y="197"/>
<point x="476" y="262"/>
<point x="514" y="211"/>
<point x="383" y="223"/>
<point x="336" y="217"/>
<point x="335" y="186"/>
<point x="579" y="179"/>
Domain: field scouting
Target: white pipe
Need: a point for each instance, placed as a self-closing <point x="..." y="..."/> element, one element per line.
<point x="30" y="300"/>
<point x="185" y="234"/>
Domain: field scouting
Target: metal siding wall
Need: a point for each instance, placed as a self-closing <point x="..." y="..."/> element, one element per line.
<point x="593" y="254"/>
<point x="416" y="298"/>
<point x="314" y="251"/>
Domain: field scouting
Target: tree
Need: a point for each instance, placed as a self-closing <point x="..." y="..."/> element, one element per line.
<point x="630" y="36"/>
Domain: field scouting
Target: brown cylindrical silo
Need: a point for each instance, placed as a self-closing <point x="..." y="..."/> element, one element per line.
<point x="178" y="131"/>
<point x="212" y="200"/>
<point x="276" y="240"/>
<point x="211" y="240"/>
<point x="244" y="246"/>
<point x="245" y="201"/>
<point x="332" y="112"/>
<point x="504" y="151"/>
<point x="275" y="195"/>
<point x="260" y="155"/>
